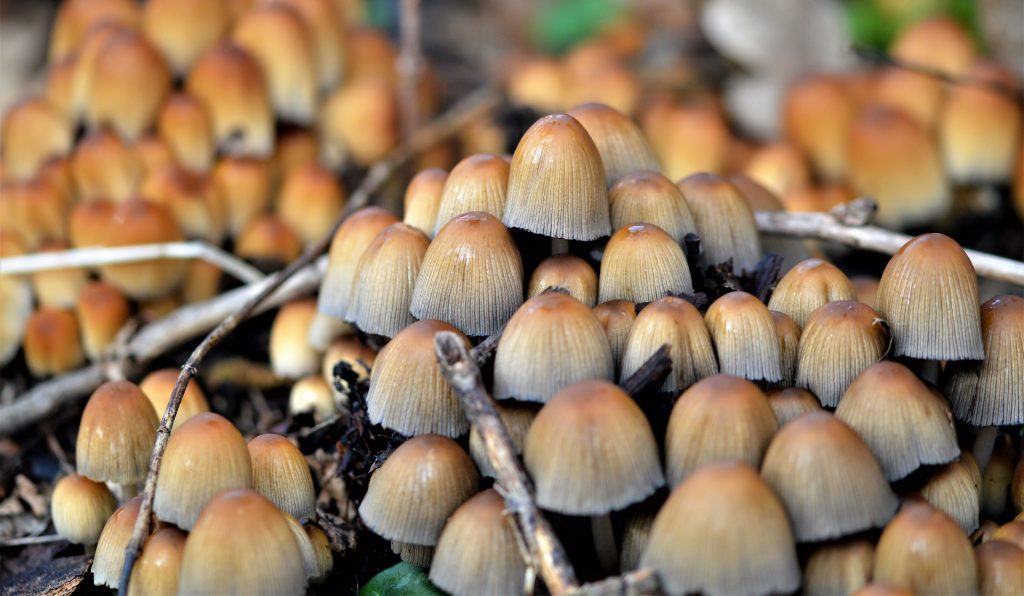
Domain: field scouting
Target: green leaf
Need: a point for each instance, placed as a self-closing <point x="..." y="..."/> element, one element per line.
<point x="404" y="579"/>
<point x="559" y="24"/>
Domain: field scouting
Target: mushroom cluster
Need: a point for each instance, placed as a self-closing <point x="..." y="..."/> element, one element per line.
<point x="869" y="427"/>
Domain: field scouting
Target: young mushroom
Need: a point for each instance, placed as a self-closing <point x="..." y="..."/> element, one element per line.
<point x="280" y="474"/>
<point x="745" y="338"/>
<point x="925" y="551"/>
<point x="646" y="196"/>
<point x="839" y="568"/>
<point x="80" y="508"/>
<point x="642" y="263"/>
<point x="477" y="183"/>
<point x="159" y="564"/>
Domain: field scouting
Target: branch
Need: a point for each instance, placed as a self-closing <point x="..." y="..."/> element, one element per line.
<point x="651" y="373"/>
<point x="409" y="60"/>
<point x="464" y="376"/>
<point x="845" y="225"/>
<point x="99" y="256"/>
<point x="458" y="115"/>
<point x="641" y="581"/>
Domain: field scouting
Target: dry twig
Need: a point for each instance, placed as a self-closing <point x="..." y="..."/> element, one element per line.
<point x="846" y="225"/>
<point x="462" y="373"/>
<point x="100" y="256"/>
<point x="410" y="60"/>
<point x="457" y="116"/>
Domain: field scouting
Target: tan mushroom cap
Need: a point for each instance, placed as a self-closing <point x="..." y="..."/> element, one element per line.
<point x="158" y="386"/>
<point x="116" y="434"/>
<point x="157" y="568"/>
<point x="347" y="247"/>
<point x="827" y="478"/>
<point x="619" y="141"/>
<point x="646" y="196"/>
<point x="590" y="450"/>
<point x="1000" y="568"/>
<point x="839" y="568"/>
<point x="108" y="561"/>
<point x="724" y="220"/>
<point x="745" y="339"/>
<point x="280" y="474"/>
<point x="954" y="490"/>
<point x="80" y="508"/>
<point x="477" y="183"/>
<point x="642" y="263"/>
<point x="617" y="317"/>
<point x="568" y="272"/>
<point x="791" y="403"/>
<point x="723" y="531"/>
<point x="679" y="324"/>
<point x="384" y="280"/>
<point x="810" y="284"/>
<point x="925" y="551"/>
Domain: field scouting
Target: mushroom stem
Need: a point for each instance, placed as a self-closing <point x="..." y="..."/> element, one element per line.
<point x="604" y="542"/>
<point x="984" y="444"/>
<point x="559" y="246"/>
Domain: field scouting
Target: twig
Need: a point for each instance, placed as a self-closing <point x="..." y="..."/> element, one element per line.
<point x="641" y="581"/>
<point x="458" y="115"/>
<point x="179" y="326"/>
<point x="27" y="540"/>
<point x="100" y="256"/>
<point x="879" y="57"/>
<point x="464" y="376"/>
<point x="409" y="60"/>
<point x="844" y="227"/>
<point x="651" y="373"/>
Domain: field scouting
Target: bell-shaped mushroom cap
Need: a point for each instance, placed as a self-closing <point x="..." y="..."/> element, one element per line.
<point x="477" y="183"/>
<point x="138" y="221"/>
<point x="1000" y="568"/>
<point x="76" y="18"/>
<point x="789" y="346"/>
<point x="929" y="295"/>
<point x="241" y="544"/>
<point x="980" y="127"/>
<point x="347" y="247"/>
<point x="827" y="478"/>
<point x="116" y="434"/>
<point x="244" y="184"/>
<point x="52" y="344"/>
<point x="231" y="84"/>
<point x="723" y="531"/>
<point x="157" y="569"/>
<point x="779" y="167"/>
<point x="925" y="551"/>
<point x="552" y="341"/>
<point x="33" y="131"/>
<point x="80" y="508"/>
<point x="817" y="112"/>
<point x="792" y="250"/>
<point x="938" y="42"/>
<point x="191" y="198"/>
<point x="808" y="285"/>
<point x="791" y="402"/>
<point x="719" y="419"/>
<point x="15" y="309"/>
<point x="359" y="122"/>
<point x="990" y="393"/>
<point x="724" y="220"/>
<point x="688" y="138"/>
<point x="905" y="423"/>
<point x="102" y="310"/>
<point x="567" y="272"/>
<point x="620" y="142"/>
<point x="204" y="456"/>
<point x="894" y="160"/>
<point x="472" y="257"/>
<point x="291" y="356"/>
<point x="382" y="288"/>
<point x="173" y="28"/>
<point x="281" y="475"/>
<point x="557" y="183"/>
<point x="745" y="339"/>
<point x="646" y="196"/>
<point x="351" y="351"/>
<point x="839" y="341"/>
<point x="267" y="238"/>
<point x="311" y="198"/>
<point x="478" y="552"/>
<point x="186" y="128"/>
<point x="278" y="39"/>
<point x="104" y="167"/>
<point x="675" y="322"/>
<point x="109" y="558"/>
<point x="36" y="209"/>
<point x="419" y="485"/>
<point x="323" y="561"/>
<point x="954" y="490"/>
<point x="839" y="568"/>
<point x="423" y="199"/>
<point x="517" y="419"/>
<point x="642" y="263"/>
<point x="312" y="394"/>
<point x="407" y="392"/>
<point x="617" y="316"/>
<point x="158" y="386"/>
<point x="130" y="79"/>
<point x="590" y="451"/>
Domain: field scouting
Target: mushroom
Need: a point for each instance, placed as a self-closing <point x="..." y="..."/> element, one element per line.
<point x="359" y="121"/>
<point x="904" y="423"/>
<point x="351" y="240"/>
<point x="688" y="137"/>
<point x="52" y="344"/>
<point x="1000" y="568"/>
<point x="311" y="198"/>
<point x="567" y="272"/>
<point x="108" y="561"/>
<point x="791" y="403"/>
<point x="15" y="309"/>
<point x="158" y="386"/>
<point x="472" y="257"/>
<point x="351" y="351"/>
<point x="954" y="490"/>
<point x="827" y="478"/>
<point x="36" y="210"/>
<point x="745" y="339"/>
<point x="138" y="221"/>
<point x="103" y="167"/>
<point x="779" y="167"/>
<point x="204" y="456"/>
<point x="839" y="341"/>
<point x="723" y="531"/>
<point x="172" y="27"/>
<point x="810" y="284"/>
<point x="724" y="220"/>
<point x="816" y="114"/>
<point x="718" y="419"/>
<point x="312" y="394"/>
<point x="75" y="18"/>
<point x="646" y="196"/>
<point x="617" y="317"/>
<point x="129" y="82"/>
<point x="926" y="552"/>
<point x="80" y="508"/>
<point x="937" y="42"/>
<point x="619" y="141"/>
<point x="792" y="250"/>
<point x="590" y="451"/>
<point x="244" y="185"/>
<point x="269" y="240"/>
<point x="157" y="568"/>
<point x="280" y="474"/>
<point x="517" y="418"/>
<point x="552" y="341"/>
<point x="635" y="536"/>
<point x="87" y="222"/>
<point x="642" y="263"/>
<point x="241" y="544"/>
<point x="116" y="436"/>
<point x="478" y="552"/>
<point x="101" y="310"/>
<point x="678" y="323"/>
<point x="184" y="124"/>
<point x="33" y="131"/>
<point x="839" y="568"/>
<point x="407" y="391"/>
<point x="789" y="346"/>
<point x="477" y="183"/>
<point x="423" y="199"/>
<point x="191" y="198"/>
<point x="291" y="356"/>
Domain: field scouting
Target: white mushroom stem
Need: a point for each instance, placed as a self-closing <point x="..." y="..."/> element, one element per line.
<point x="846" y="224"/>
<point x="604" y="542"/>
<point x="984" y="445"/>
<point x="101" y="256"/>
